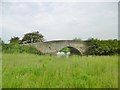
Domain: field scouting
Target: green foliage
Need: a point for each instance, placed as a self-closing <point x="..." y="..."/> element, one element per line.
<point x="77" y="39"/>
<point x="15" y="40"/>
<point x="72" y="50"/>
<point x="103" y="47"/>
<point x="1" y="41"/>
<point x="18" y="48"/>
<point x="65" y="50"/>
<point x="33" y="71"/>
<point x="32" y="37"/>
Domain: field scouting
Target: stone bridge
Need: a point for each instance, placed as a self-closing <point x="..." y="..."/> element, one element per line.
<point x="55" y="46"/>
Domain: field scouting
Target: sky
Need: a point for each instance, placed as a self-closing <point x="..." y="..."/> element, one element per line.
<point x="60" y="20"/>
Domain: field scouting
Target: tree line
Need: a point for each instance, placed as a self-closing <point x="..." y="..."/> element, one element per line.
<point x="103" y="47"/>
<point x="95" y="46"/>
<point x="16" y="45"/>
<point x="28" y="38"/>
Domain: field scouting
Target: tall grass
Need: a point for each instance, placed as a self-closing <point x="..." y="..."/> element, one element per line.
<point x="34" y="71"/>
<point x="0" y="65"/>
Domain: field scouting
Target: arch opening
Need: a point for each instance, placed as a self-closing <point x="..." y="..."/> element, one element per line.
<point x="70" y="49"/>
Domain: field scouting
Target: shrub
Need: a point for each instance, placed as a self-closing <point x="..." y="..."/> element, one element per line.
<point x="103" y="47"/>
<point x="18" y="48"/>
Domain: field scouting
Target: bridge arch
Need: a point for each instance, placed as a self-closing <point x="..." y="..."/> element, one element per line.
<point x="73" y="50"/>
<point x="54" y="46"/>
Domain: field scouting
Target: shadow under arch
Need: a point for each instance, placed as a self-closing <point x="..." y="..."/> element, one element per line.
<point x="73" y="50"/>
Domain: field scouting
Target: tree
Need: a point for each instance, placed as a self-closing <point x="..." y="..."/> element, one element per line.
<point x="15" y="40"/>
<point x="1" y="41"/>
<point x="102" y="47"/>
<point x="33" y="37"/>
<point x="77" y="39"/>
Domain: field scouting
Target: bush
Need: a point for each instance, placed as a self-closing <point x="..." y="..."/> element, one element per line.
<point x="18" y="48"/>
<point x="65" y="50"/>
<point x="103" y="47"/>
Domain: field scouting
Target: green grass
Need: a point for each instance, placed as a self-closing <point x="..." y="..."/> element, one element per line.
<point x="0" y="66"/>
<point x="34" y="71"/>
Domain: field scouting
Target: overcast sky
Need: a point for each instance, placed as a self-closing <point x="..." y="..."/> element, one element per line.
<point x="60" y="20"/>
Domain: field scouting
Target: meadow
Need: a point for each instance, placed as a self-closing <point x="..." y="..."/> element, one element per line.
<point x="39" y="71"/>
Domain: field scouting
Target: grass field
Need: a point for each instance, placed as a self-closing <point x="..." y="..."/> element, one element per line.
<point x="0" y="69"/>
<point x="33" y="71"/>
